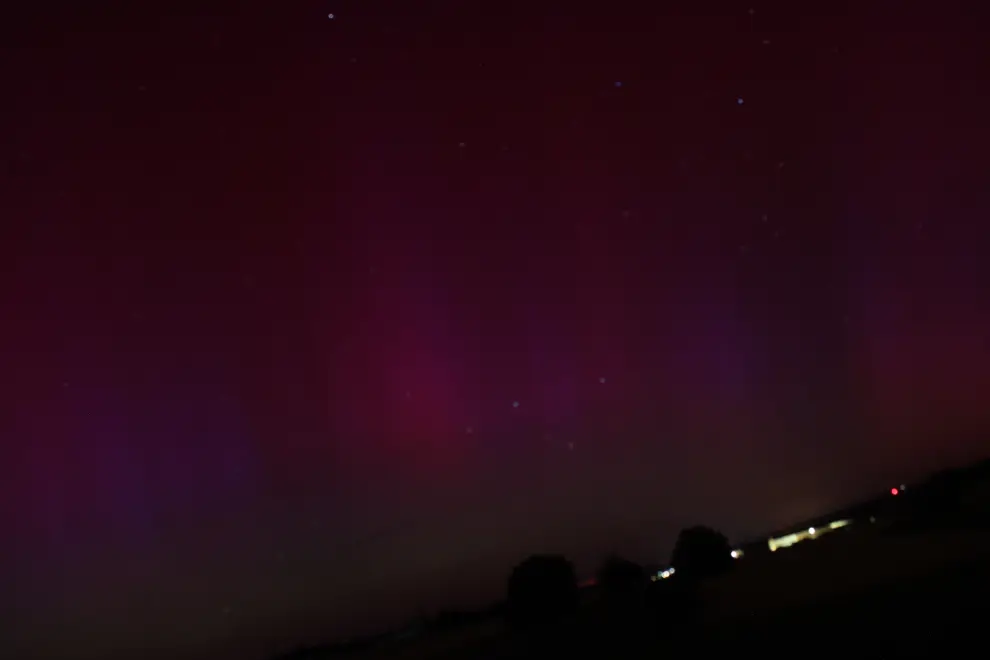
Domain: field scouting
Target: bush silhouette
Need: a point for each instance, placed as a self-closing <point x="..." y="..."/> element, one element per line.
<point x="619" y="616"/>
<point x="621" y="581"/>
<point x="701" y="552"/>
<point x="542" y="593"/>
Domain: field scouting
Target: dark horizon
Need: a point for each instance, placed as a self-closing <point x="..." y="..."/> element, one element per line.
<point x="870" y="499"/>
<point x="312" y="325"/>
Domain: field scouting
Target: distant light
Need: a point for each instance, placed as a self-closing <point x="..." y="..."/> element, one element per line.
<point x="515" y="404"/>
<point x="330" y="16"/>
<point x="601" y="380"/>
<point x="894" y="491"/>
<point x="735" y="554"/>
<point x="739" y="101"/>
<point x="618" y="83"/>
<point x="811" y="530"/>
<point x="665" y="574"/>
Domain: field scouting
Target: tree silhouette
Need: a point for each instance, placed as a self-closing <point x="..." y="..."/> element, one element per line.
<point x="701" y="552"/>
<point x="620" y="613"/>
<point x="542" y="593"/>
<point x="621" y="581"/>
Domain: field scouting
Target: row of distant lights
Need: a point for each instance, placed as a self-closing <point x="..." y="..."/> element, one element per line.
<point x="736" y="554"/>
<point x="791" y="539"/>
<point x="667" y="572"/>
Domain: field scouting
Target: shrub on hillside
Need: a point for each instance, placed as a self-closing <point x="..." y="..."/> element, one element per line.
<point x="542" y="593"/>
<point x="621" y="580"/>
<point x="701" y="552"/>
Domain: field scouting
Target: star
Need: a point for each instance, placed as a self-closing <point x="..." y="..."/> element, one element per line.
<point x="570" y="446"/>
<point x="618" y="83"/>
<point x="330" y="16"/>
<point x="515" y="404"/>
<point x="739" y="101"/>
<point x="602" y="380"/>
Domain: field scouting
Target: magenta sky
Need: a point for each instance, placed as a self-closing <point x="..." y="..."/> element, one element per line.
<point x="273" y="284"/>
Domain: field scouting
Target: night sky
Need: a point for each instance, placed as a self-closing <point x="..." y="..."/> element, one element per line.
<point x="311" y="325"/>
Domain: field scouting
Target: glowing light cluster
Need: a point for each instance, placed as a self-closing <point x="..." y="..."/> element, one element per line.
<point x="788" y="540"/>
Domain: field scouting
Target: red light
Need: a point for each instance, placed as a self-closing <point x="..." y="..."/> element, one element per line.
<point x="894" y="491"/>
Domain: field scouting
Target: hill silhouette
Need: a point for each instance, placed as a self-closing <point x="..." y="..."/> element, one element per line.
<point x="919" y="560"/>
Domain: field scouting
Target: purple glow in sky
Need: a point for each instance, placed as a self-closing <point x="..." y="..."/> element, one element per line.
<point x="311" y="326"/>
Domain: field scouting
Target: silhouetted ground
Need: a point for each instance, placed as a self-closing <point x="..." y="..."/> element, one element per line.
<point x="914" y="585"/>
<point x="921" y="617"/>
<point x="892" y="594"/>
